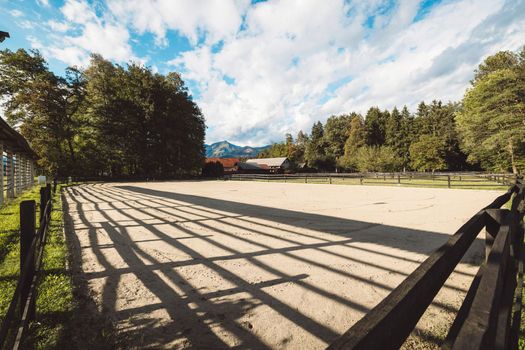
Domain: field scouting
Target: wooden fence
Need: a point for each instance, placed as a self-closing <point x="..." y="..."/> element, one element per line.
<point x="449" y="180"/>
<point x="490" y="315"/>
<point x="17" y="161"/>
<point x="22" y="307"/>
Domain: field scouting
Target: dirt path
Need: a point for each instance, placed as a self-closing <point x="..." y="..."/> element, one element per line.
<point x="260" y="265"/>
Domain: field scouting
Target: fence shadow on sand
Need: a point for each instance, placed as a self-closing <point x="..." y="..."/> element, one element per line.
<point x="149" y="249"/>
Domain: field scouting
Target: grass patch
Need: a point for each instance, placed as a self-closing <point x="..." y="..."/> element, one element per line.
<point x="10" y="246"/>
<point x="464" y="183"/>
<point x="55" y="303"/>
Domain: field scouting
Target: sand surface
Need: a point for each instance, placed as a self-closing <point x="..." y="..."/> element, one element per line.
<point x="213" y="265"/>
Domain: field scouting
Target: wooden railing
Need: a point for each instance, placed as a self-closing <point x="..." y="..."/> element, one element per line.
<point x="449" y="180"/>
<point x="22" y="307"/>
<point x="490" y="315"/>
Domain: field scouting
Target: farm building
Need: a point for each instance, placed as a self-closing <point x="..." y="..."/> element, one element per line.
<point x="252" y="168"/>
<point x="229" y="164"/>
<point x="274" y="165"/>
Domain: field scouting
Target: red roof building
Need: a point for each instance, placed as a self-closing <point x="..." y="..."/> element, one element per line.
<point x="229" y="164"/>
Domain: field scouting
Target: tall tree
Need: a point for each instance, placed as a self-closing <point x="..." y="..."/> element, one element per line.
<point x="315" y="152"/>
<point x="492" y="120"/>
<point x="407" y="135"/>
<point x="105" y="121"/>
<point x="335" y="135"/>
<point x="299" y="147"/>
<point x="43" y="105"/>
<point x="356" y="139"/>
<point x="375" y="127"/>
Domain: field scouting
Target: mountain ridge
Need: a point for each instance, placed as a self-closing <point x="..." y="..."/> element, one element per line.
<point x="225" y="149"/>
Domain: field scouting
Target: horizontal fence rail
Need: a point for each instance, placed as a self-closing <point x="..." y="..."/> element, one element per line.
<point x="490" y="315"/>
<point x="22" y="306"/>
<point x="449" y="180"/>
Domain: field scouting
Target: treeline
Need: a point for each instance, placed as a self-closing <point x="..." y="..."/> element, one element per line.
<point x="104" y="121"/>
<point x="486" y="130"/>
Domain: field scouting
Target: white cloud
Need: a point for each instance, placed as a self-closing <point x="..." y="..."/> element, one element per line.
<point x="84" y="33"/>
<point x="60" y="27"/>
<point x="16" y="13"/>
<point x="212" y="19"/>
<point x="43" y="3"/>
<point x="263" y="70"/>
<point x="297" y="62"/>
<point x="25" y="24"/>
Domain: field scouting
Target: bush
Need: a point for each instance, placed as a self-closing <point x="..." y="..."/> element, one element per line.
<point x="377" y="158"/>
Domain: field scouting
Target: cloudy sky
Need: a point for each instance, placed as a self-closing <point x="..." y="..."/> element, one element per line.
<point x="260" y="69"/>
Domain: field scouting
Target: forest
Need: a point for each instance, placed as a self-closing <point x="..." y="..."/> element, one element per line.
<point x="112" y="121"/>
<point x="103" y="121"/>
<point x="483" y="131"/>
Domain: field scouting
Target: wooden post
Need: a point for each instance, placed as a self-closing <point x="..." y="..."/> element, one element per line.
<point x="43" y="201"/>
<point x="16" y="168"/>
<point x="27" y="233"/>
<point x="494" y="218"/>
<point x="398" y="179"/>
<point x="10" y="175"/>
<point x="361" y="179"/>
<point x="330" y="180"/>
<point x="448" y="180"/>
<point x="306" y="179"/>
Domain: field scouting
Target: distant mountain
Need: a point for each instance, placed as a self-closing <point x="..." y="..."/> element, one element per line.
<point x="224" y="149"/>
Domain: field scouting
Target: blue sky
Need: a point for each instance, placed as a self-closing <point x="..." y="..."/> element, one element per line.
<point x="260" y="69"/>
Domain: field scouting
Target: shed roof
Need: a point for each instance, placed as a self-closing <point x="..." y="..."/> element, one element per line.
<point x="271" y="162"/>
<point x="252" y="166"/>
<point x="226" y="162"/>
<point x="14" y="141"/>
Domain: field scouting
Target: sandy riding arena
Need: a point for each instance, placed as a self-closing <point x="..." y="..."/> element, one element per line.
<point x="215" y="265"/>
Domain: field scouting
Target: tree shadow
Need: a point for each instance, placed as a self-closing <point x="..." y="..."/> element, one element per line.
<point x="157" y="259"/>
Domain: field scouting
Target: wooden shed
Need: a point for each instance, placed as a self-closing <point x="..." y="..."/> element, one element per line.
<point x="274" y="165"/>
<point x="18" y="162"/>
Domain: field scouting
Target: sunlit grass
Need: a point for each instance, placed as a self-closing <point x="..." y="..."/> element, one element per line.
<point x="438" y="182"/>
<point x="54" y="303"/>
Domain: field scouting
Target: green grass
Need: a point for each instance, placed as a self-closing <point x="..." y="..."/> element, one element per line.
<point x="10" y="247"/>
<point x="54" y="303"/>
<point x="464" y="183"/>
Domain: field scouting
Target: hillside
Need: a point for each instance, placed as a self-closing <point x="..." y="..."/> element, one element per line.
<point x="224" y="149"/>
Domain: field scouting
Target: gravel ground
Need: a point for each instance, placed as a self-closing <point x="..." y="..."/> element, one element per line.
<point x="212" y="265"/>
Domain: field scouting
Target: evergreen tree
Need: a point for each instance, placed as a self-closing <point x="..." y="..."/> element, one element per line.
<point x="335" y="135"/>
<point x="356" y="139"/>
<point x="375" y="127"/>
<point x="315" y="152"/>
<point x="407" y="135"/>
<point x="299" y="147"/>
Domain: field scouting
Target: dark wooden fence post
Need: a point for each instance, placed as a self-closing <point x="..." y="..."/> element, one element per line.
<point x="330" y="180"/>
<point x="27" y="233"/>
<point x="398" y="178"/>
<point x="43" y="201"/>
<point x="361" y="179"/>
<point x="493" y="222"/>
<point x="448" y="180"/>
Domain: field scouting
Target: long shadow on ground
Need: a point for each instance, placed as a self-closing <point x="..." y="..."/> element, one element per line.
<point x="180" y="314"/>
